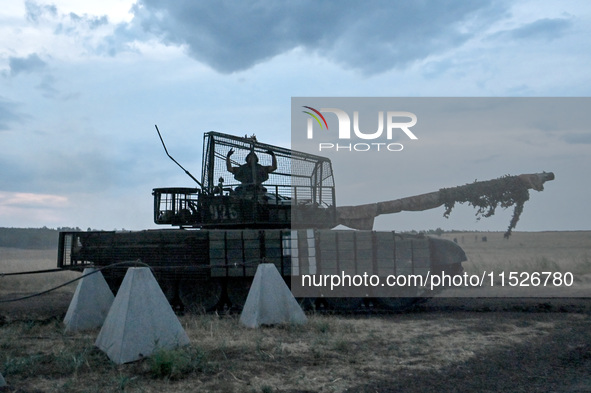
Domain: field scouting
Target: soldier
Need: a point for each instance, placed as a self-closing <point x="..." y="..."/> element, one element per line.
<point x="252" y="174"/>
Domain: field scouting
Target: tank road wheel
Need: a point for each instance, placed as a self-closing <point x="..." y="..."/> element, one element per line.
<point x="399" y="303"/>
<point x="169" y="289"/>
<point x="345" y="304"/>
<point x="403" y="298"/>
<point x="307" y="303"/>
<point x="237" y="291"/>
<point x="200" y="295"/>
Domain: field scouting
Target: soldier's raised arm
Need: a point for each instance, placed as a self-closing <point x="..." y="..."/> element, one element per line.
<point x="273" y="165"/>
<point x="229" y="166"/>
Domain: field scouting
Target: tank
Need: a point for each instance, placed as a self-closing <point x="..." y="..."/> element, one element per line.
<point x="259" y="203"/>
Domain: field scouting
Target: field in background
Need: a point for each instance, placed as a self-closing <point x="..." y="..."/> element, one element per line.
<point x="547" y="254"/>
<point x="20" y="260"/>
<point x="526" y="251"/>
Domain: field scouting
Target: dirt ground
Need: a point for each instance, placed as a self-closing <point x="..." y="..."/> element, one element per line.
<point x="443" y="345"/>
<point x="557" y="362"/>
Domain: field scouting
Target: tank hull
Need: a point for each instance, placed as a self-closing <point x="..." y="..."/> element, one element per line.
<point x="209" y="269"/>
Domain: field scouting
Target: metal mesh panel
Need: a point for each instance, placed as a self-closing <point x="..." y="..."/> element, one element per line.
<point x="177" y="206"/>
<point x="299" y="176"/>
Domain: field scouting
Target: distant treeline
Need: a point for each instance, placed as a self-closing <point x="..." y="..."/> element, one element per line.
<point x="31" y="238"/>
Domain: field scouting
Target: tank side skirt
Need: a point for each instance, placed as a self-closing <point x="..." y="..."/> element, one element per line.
<point x="177" y="255"/>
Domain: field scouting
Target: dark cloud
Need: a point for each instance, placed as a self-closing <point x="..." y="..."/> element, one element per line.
<point x="371" y="36"/>
<point x="31" y="63"/>
<point x="546" y="29"/>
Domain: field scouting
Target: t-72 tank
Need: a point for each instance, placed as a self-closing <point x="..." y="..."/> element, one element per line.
<point x="258" y="203"/>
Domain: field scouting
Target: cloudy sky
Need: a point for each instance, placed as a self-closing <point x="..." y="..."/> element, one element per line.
<point x="83" y="83"/>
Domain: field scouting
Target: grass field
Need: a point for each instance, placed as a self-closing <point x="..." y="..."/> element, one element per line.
<point x="526" y="251"/>
<point x="19" y="260"/>
<point x="495" y="347"/>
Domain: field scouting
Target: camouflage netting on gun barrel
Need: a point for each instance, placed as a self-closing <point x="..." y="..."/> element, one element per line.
<point x="485" y="195"/>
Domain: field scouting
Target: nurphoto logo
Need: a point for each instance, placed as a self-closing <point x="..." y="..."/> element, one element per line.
<point x="396" y="121"/>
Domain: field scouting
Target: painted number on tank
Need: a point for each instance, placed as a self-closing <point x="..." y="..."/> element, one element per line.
<point x="222" y="212"/>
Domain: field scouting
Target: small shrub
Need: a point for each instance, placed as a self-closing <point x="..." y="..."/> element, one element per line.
<point x="21" y="365"/>
<point x="323" y="326"/>
<point x="176" y="363"/>
<point x="125" y="381"/>
<point x="341" y="345"/>
<point x="545" y="264"/>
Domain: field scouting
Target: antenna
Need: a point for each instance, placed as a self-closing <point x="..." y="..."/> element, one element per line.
<point x="175" y="161"/>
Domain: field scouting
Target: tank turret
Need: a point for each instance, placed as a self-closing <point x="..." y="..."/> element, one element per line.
<point x="249" y="184"/>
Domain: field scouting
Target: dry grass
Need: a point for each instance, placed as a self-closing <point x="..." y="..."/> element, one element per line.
<point x="18" y="260"/>
<point x="329" y="354"/>
<point x="526" y="251"/>
<point x="523" y="253"/>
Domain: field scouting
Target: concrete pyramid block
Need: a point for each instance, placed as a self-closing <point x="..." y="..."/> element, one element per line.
<point x="2" y="381"/>
<point x="270" y="301"/>
<point x="91" y="303"/>
<point x="140" y="320"/>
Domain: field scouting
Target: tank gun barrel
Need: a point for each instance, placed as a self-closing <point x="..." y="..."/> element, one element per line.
<point x="362" y="216"/>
